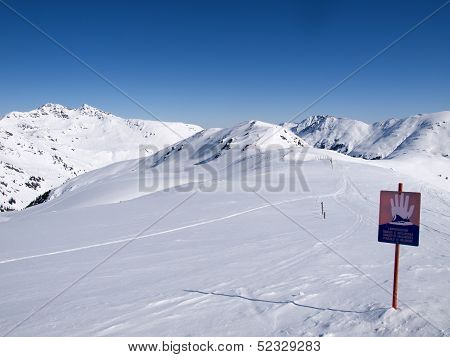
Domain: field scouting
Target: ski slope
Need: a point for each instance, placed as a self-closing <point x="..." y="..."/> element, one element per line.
<point x="225" y="262"/>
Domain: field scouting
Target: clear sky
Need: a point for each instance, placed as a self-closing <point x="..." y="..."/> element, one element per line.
<point x="216" y="63"/>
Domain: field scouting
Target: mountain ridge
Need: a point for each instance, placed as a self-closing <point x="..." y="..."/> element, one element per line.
<point x="425" y="133"/>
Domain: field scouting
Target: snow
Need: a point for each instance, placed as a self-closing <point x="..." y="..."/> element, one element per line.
<point x="43" y="148"/>
<point x="226" y="261"/>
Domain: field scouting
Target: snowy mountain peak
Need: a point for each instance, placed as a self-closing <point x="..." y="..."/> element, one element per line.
<point x="45" y="110"/>
<point x="92" y="111"/>
<point x="52" y="106"/>
<point x="324" y="121"/>
<point x="321" y="119"/>
<point x="44" y="147"/>
<point x="244" y="139"/>
<point x="329" y="132"/>
<point x="57" y="110"/>
<point x="87" y="107"/>
<point x="263" y="135"/>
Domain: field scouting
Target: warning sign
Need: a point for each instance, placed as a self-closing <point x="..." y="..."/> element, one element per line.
<point x="399" y="218"/>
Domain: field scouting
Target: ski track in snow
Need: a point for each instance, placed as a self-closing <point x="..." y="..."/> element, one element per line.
<point x="133" y="237"/>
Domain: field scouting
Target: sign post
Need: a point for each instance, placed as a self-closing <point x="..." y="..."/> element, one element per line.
<point x="396" y="262"/>
<point x="399" y="224"/>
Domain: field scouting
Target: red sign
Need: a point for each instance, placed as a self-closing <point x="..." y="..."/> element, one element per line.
<point x="399" y="217"/>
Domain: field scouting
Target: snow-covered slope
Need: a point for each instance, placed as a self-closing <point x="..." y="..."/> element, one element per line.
<point x="41" y="149"/>
<point x="233" y="260"/>
<point x="209" y="155"/>
<point x="419" y="134"/>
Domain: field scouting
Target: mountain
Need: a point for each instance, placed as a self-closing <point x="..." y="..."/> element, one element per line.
<point x="43" y="148"/>
<point x="210" y="155"/>
<point x="252" y="136"/>
<point x="425" y="134"/>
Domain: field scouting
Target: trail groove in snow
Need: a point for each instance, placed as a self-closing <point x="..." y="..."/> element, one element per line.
<point x="118" y="241"/>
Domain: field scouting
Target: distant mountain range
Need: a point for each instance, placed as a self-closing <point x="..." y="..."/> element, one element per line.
<point x="43" y="148"/>
<point x="422" y="133"/>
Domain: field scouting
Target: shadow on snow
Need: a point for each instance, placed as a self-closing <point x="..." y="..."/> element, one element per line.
<point x="286" y="302"/>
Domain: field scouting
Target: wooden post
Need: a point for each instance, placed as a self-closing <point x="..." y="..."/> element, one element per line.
<point x="396" y="263"/>
<point x="322" y="207"/>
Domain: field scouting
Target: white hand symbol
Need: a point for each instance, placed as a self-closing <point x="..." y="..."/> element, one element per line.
<point x="400" y="207"/>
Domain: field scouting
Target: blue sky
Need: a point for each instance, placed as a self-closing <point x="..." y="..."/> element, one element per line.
<point x="216" y="63"/>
